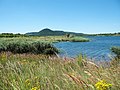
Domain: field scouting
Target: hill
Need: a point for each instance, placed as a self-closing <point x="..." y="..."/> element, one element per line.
<point x="49" y="32"/>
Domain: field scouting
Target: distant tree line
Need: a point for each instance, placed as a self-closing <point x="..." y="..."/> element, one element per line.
<point x="13" y="35"/>
<point x="107" y="34"/>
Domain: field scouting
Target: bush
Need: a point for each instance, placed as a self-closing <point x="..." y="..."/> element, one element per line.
<point x="24" y="46"/>
<point x="79" y="39"/>
<point x="19" y="47"/>
<point x="51" y="51"/>
<point x="45" y="48"/>
<point x="2" y="47"/>
<point x="116" y="50"/>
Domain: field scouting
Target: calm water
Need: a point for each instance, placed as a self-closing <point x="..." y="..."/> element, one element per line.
<point x="98" y="48"/>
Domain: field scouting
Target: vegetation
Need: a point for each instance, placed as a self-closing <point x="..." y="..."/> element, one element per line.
<point x="27" y="46"/>
<point x="36" y="45"/>
<point x="39" y="72"/>
<point x="9" y="35"/>
<point x="79" y="39"/>
<point x="116" y="50"/>
<point x="106" y="34"/>
<point x="24" y="65"/>
<point x="64" y="38"/>
<point x="49" y="39"/>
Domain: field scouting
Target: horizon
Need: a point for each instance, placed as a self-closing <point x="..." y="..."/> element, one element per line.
<point x="80" y="16"/>
<point x="63" y="31"/>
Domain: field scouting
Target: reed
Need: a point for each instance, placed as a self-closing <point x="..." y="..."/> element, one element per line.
<point x="116" y="50"/>
<point x="41" y="72"/>
<point x="27" y="46"/>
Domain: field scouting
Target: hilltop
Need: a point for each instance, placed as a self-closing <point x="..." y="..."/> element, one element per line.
<point x="49" y="32"/>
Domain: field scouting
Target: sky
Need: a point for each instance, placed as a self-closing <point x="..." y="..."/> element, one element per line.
<point x="83" y="16"/>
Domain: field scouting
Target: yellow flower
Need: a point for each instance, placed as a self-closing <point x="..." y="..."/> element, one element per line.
<point x="102" y="85"/>
<point x="34" y="88"/>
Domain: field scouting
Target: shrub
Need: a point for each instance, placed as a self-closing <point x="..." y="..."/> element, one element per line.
<point x="116" y="50"/>
<point x="51" y="51"/>
<point x="45" y="48"/>
<point x="79" y="39"/>
<point x="27" y="46"/>
<point x="2" y="47"/>
<point x="19" y="47"/>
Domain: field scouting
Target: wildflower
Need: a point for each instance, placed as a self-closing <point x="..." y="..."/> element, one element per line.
<point x="102" y="85"/>
<point x="34" y="88"/>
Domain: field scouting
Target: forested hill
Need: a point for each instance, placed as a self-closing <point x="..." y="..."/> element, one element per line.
<point x="49" y="32"/>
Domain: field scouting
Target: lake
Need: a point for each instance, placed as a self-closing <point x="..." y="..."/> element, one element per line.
<point x="97" y="49"/>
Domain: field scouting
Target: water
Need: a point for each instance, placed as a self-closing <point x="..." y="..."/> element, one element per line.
<point x="98" y="48"/>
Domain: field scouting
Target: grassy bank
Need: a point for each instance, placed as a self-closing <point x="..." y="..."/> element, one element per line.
<point x="39" y="72"/>
<point x="62" y="39"/>
<point x="25" y="45"/>
<point x="50" y="38"/>
<point x="35" y="44"/>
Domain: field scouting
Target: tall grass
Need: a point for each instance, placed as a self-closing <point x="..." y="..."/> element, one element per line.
<point x="79" y="39"/>
<point x="40" y="72"/>
<point x="73" y="39"/>
<point x="116" y="50"/>
<point x="27" y="46"/>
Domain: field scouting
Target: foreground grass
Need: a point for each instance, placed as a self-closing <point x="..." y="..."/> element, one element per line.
<point x="39" y="72"/>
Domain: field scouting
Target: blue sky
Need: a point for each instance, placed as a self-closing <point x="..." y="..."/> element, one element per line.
<point x="84" y="16"/>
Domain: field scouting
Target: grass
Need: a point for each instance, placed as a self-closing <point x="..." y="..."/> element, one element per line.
<point x="79" y="39"/>
<point x="41" y="72"/>
<point x="49" y="39"/>
<point x="116" y="50"/>
<point x="24" y="45"/>
<point x="71" y="39"/>
<point x="30" y="71"/>
<point x="35" y="44"/>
